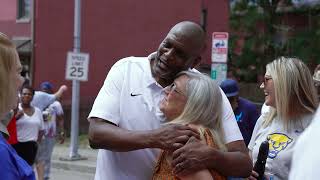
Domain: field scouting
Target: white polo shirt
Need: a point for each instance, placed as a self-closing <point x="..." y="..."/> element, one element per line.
<point x="130" y="99"/>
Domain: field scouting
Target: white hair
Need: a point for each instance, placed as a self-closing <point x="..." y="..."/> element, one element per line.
<point x="203" y="107"/>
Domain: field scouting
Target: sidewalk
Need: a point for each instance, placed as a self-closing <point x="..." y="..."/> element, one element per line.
<point x="87" y="166"/>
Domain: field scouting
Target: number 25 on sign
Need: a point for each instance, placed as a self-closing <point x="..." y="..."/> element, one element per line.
<point x="77" y="66"/>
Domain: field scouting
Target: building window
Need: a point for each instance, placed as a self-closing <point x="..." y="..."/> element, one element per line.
<point x="24" y="9"/>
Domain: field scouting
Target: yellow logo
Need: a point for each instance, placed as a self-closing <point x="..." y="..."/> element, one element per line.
<point x="277" y="143"/>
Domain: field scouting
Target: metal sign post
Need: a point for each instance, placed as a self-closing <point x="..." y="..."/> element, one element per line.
<point x="76" y="62"/>
<point x="75" y="85"/>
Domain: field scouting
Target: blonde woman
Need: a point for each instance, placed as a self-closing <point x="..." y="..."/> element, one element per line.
<point x="291" y="95"/>
<point x="11" y="165"/>
<point x="192" y="99"/>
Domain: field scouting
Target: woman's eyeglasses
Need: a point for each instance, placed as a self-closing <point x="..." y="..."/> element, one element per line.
<point x="266" y="79"/>
<point x="173" y="88"/>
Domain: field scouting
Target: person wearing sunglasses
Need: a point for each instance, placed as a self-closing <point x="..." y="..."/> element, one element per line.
<point x="292" y="100"/>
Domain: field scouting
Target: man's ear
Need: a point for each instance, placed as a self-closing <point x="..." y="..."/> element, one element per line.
<point x="196" y="62"/>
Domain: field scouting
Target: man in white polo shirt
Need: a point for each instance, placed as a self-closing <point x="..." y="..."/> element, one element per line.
<point x="127" y="125"/>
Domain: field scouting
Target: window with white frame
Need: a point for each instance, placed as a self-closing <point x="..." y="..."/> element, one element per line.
<point x="24" y="9"/>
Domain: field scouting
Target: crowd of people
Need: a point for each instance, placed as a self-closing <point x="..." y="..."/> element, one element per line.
<point x="157" y="117"/>
<point x="27" y="133"/>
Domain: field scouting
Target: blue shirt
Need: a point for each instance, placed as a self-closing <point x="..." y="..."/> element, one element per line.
<point x="246" y="116"/>
<point x="42" y="100"/>
<point x="12" y="166"/>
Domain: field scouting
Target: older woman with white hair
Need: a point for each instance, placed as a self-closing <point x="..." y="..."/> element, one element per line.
<point x="11" y="165"/>
<point x="192" y="99"/>
<point x="291" y="95"/>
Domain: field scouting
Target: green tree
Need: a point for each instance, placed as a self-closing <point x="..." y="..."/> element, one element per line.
<point x="263" y="31"/>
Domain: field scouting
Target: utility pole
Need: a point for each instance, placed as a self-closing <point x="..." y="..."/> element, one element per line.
<point x="74" y="155"/>
<point x="75" y="85"/>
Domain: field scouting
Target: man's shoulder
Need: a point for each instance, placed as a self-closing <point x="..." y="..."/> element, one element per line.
<point x="39" y="95"/>
<point x="245" y="103"/>
<point x="137" y="67"/>
<point x="131" y="60"/>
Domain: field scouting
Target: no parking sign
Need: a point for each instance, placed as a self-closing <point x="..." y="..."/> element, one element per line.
<point x="219" y="47"/>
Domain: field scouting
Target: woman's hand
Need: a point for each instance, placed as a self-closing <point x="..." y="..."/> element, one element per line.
<point x="19" y="114"/>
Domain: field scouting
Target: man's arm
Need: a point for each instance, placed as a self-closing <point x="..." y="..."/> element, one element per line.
<point x="60" y="123"/>
<point x="195" y="156"/>
<point x="105" y="135"/>
<point x="40" y="135"/>
<point x="60" y="92"/>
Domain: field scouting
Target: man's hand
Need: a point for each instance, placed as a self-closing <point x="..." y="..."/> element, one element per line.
<point x="61" y="137"/>
<point x="254" y="175"/>
<point x="60" y="92"/>
<point x="173" y="136"/>
<point x="190" y="158"/>
<point x="64" y="88"/>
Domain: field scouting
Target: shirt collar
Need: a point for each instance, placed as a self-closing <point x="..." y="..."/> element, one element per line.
<point x="150" y="80"/>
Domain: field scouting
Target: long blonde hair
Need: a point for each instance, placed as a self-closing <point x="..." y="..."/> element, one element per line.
<point x="7" y="62"/>
<point x="203" y="107"/>
<point x="295" y="94"/>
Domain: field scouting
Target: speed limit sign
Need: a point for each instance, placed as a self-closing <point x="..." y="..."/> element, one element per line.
<point x="77" y="66"/>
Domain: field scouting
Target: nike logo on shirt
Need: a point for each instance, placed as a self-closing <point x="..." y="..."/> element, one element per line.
<point x="135" y="94"/>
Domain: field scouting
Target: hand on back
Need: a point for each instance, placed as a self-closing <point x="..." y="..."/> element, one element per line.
<point x="173" y="136"/>
<point x="190" y="158"/>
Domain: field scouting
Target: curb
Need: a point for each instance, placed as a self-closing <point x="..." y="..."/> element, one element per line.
<point x="71" y="166"/>
<point x="86" y="164"/>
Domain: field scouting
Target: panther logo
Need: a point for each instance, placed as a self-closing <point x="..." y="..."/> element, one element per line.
<point x="277" y="143"/>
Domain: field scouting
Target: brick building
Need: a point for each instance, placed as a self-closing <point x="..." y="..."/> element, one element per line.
<point x="110" y="30"/>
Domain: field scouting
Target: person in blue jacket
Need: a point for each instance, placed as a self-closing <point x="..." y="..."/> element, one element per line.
<point x="12" y="166"/>
<point x="245" y="111"/>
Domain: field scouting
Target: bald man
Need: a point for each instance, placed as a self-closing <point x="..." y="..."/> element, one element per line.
<point x="127" y="125"/>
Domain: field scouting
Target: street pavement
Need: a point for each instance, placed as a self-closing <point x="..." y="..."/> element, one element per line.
<point x="60" y="174"/>
<point x="79" y="169"/>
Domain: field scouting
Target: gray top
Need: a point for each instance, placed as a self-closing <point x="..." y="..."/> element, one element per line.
<point x="281" y="144"/>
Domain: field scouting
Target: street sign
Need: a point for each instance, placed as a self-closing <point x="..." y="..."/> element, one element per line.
<point x="219" y="47"/>
<point x="218" y="72"/>
<point x="77" y="66"/>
